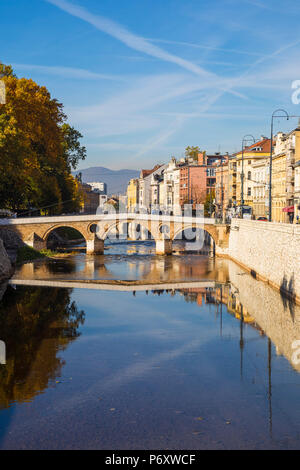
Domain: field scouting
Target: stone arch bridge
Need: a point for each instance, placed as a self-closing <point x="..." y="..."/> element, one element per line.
<point x="96" y="228"/>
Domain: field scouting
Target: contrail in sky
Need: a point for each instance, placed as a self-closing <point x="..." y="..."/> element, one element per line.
<point x="132" y="40"/>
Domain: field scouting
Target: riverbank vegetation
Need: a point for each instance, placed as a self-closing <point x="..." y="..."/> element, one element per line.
<point x="26" y="254"/>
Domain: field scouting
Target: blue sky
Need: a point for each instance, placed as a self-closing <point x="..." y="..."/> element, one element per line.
<point x="142" y="79"/>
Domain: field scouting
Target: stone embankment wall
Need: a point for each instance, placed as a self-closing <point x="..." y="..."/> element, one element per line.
<point x="9" y="244"/>
<point x="278" y="317"/>
<point x="271" y="251"/>
<point x="5" y="264"/>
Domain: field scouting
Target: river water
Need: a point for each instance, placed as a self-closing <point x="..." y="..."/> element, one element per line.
<point x="202" y="356"/>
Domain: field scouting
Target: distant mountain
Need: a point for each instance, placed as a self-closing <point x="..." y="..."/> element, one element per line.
<point x="116" y="180"/>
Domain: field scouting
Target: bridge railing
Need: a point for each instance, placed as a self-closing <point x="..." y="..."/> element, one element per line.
<point x="102" y="217"/>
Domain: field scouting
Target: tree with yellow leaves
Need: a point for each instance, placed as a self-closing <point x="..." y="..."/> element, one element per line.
<point x="38" y="149"/>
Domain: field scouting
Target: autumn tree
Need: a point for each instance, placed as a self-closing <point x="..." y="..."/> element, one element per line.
<point x="38" y="149"/>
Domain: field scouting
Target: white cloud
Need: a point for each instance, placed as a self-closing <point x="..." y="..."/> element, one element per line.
<point x="135" y="42"/>
<point x="67" y="72"/>
<point x="206" y="47"/>
<point x="136" y="108"/>
<point x="124" y="35"/>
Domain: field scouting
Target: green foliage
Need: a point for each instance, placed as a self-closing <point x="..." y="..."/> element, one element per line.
<point x="73" y="152"/>
<point x="35" y="324"/>
<point x="192" y="152"/>
<point x="38" y="149"/>
<point x="26" y="253"/>
<point x="209" y="206"/>
<point x="6" y="71"/>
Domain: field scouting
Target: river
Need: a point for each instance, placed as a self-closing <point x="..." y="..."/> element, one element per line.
<point x="196" y="354"/>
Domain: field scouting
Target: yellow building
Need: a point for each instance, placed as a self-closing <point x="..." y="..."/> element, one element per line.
<point x="231" y="182"/>
<point x="252" y="154"/>
<point x="285" y="160"/>
<point x="132" y="194"/>
<point x="261" y="187"/>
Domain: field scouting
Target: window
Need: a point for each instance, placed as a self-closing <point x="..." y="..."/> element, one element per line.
<point x="249" y="191"/>
<point x="249" y="175"/>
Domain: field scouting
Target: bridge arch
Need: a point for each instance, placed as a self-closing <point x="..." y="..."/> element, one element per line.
<point x="51" y="230"/>
<point x="105" y="230"/>
<point x="207" y="228"/>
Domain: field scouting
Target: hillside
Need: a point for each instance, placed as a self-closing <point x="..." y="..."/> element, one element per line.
<point x="116" y="180"/>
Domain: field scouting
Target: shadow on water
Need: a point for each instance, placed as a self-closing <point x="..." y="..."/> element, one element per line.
<point x="35" y="324"/>
<point x="288" y="295"/>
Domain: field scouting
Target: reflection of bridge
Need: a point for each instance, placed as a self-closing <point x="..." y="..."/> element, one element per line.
<point x="115" y="285"/>
<point x="96" y="228"/>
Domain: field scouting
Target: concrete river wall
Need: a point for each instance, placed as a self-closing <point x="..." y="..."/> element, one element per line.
<point x="270" y="251"/>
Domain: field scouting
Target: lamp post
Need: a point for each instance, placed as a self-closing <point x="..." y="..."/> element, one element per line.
<point x="246" y="138"/>
<point x="209" y="182"/>
<point x="271" y="152"/>
<point x="222" y="195"/>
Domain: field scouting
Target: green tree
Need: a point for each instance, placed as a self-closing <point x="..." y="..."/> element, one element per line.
<point x="192" y="152"/>
<point x="209" y="206"/>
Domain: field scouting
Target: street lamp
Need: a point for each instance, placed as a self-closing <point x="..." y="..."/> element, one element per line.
<point x="271" y="152"/>
<point x="246" y="138"/>
<point x="209" y="182"/>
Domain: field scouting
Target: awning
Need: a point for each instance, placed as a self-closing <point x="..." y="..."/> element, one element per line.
<point x="288" y="209"/>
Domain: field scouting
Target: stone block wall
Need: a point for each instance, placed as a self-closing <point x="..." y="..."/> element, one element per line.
<point x="271" y="251"/>
<point x="278" y="317"/>
<point x="5" y="264"/>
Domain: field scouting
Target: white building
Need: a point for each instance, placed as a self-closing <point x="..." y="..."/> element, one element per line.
<point x="170" y="188"/>
<point x="145" y="189"/>
<point x="99" y="187"/>
<point x="261" y="187"/>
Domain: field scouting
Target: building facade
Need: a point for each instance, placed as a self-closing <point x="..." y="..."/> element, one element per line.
<point x="132" y="194"/>
<point x="285" y="177"/>
<point x="221" y="190"/>
<point x="241" y="163"/>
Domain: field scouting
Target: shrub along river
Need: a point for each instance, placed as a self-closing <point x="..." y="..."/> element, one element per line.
<point x="195" y="355"/>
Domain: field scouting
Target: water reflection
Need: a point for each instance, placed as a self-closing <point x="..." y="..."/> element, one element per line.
<point x="36" y="324"/>
<point x="196" y="367"/>
<point x="122" y="266"/>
